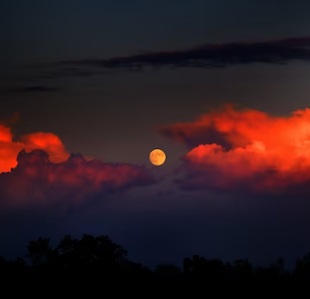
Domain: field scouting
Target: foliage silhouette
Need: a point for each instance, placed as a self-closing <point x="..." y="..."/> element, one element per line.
<point x="97" y="263"/>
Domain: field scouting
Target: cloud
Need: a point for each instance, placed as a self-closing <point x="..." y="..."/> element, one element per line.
<point x="36" y="168"/>
<point x="10" y="147"/>
<point x="206" y="56"/>
<point x="246" y="149"/>
<point x="37" y="180"/>
<point x="31" y="89"/>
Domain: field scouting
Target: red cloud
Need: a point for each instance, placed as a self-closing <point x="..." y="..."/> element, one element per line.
<point x="246" y="149"/>
<point x="10" y="148"/>
<point x="37" y="180"/>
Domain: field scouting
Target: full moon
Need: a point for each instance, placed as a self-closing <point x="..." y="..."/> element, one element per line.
<point x="157" y="157"/>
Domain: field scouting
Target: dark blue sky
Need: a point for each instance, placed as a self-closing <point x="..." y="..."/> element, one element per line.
<point x="55" y="30"/>
<point x="55" y="74"/>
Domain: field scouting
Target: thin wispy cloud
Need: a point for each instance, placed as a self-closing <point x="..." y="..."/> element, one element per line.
<point x="206" y="56"/>
<point x="209" y="55"/>
<point x="30" y="89"/>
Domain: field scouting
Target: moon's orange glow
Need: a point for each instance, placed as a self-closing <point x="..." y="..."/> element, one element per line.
<point x="157" y="157"/>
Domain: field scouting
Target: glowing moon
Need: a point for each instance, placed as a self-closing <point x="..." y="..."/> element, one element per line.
<point x="157" y="157"/>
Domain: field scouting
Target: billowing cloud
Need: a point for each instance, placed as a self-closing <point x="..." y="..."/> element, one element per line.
<point x="37" y="180"/>
<point x="9" y="147"/>
<point x="246" y="149"/>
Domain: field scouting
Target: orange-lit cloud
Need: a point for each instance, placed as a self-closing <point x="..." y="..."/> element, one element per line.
<point x="9" y="148"/>
<point x="37" y="180"/>
<point x="245" y="149"/>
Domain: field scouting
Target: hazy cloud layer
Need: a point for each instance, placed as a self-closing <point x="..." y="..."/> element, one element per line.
<point x="245" y="150"/>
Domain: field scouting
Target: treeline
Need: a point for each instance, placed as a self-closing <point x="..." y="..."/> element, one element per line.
<point x="96" y="262"/>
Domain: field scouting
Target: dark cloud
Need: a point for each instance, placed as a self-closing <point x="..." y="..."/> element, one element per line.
<point x="31" y="89"/>
<point x="209" y="55"/>
<point x="38" y="181"/>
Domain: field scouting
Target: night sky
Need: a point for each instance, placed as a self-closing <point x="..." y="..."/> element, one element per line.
<point x="89" y="88"/>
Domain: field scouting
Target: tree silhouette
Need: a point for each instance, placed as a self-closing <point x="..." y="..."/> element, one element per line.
<point x="39" y="251"/>
<point x="302" y="268"/>
<point x="90" y="251"/>
<point x="97" y="264"/>
<point x="242" y="270"/>
<point x="168" y="271"/>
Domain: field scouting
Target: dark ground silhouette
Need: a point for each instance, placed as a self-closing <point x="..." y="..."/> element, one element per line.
<point x="98" y="264"/>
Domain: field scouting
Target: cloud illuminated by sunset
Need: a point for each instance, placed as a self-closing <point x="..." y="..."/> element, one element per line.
<point x="37" y="180"/>
<point x="245" y="149"/>
<point x="9" y="148"/>
<point x="38" y="169"/>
